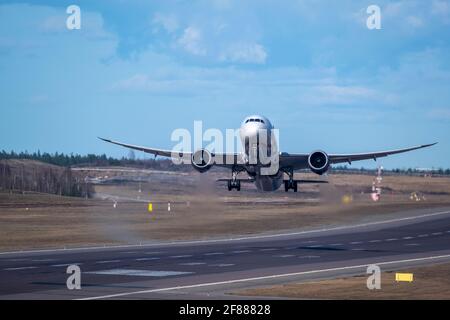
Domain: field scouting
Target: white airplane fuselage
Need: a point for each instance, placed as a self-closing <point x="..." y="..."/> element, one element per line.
<point x="250" y="132"/>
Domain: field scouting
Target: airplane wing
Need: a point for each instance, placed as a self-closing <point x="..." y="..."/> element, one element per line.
<point x="300" y="161"/>
<point x="156" y="152"/>
<point x="221" y="159"/>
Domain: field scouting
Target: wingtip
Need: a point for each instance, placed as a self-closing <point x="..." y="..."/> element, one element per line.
<point x="106" y="140"/>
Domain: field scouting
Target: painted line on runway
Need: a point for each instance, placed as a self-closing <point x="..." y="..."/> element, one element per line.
<point x="107" y="261"/>
<point x="192" y="263"/>
<point x="66" y="264"/>
<point x="264" y="236"/>
<point x="213" y="253"/>
<point x="138" y="273"/>
<point x="275" y="276"/>
<point x="147" y="259"/>
<point x="19" y="268"/>
<point x="241" y="251"/>
<point x="181" y="256"/>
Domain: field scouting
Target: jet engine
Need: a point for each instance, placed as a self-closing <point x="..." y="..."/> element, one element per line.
<point x="202" y="160"/>
<point x="318" y="162"/>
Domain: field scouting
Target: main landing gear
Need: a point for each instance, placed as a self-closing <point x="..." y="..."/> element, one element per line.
<point x="291" y="183"/>
<point x="234" y="183"/>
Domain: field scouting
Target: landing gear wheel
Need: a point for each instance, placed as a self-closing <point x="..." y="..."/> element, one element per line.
<point x="295" y="186"/>
<point x="286" y="185"/>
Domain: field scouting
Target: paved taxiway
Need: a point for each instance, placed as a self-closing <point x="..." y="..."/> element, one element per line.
<point x="210" y="268"/>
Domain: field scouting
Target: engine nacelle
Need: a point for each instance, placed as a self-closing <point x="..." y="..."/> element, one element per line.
<point x="202" y="160"/>
<point x="319" y="162"/>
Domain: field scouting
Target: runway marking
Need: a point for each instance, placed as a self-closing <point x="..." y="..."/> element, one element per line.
<point x="130" y="252"/>
<point x="268" y="249"/>
<point x="357" y="249"/>
<point x="392" y="239"/>
<point x="66" y="264"/>
<point x="107" y="261"/>
<point x="309" y="257"/>
<point x="373" y="241"/>
<point x="356" y="242"/>
<point x="147" y="259"/>
<point x="181" y="256"/>
<point x="422" y="235"/>
<point x="192" y="263"/>
<point x="436" y="233"/>
<point x="407" y="238"/>
<point x="20" y="268"/>
<point x="43" y="260"/>
<point x="412" y="244"/>
<point x="336" y="244"/>
<point x="275" y="276"/>
<point x="309" y="241"/>
<point x="138" y="273"/>
<point x="284" y="256"/>
<point x="221" y="265"/>
<point x="213" y="253"/>
<point x="153" y="252"/>
<point x="241" y="251"/>
<point x="355" y="226"/>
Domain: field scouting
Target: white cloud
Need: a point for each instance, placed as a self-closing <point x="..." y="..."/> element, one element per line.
<point x="191" y="41"/>
<point x="441" y="8"/>
<point x="245" y="53"/>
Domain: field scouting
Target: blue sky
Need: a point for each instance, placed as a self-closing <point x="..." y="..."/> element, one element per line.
<point x="139" y="69"/>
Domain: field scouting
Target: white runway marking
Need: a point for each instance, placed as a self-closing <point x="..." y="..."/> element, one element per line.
<point x="308" y="257"/>
<point x="412" y="244"/>
<point x="356" y="242"/>
<point x="213" y="253"/>
<point x="192" y="263"/>
<point x="426" y="215"/>
<point x="436" y="233"/>
<point x="392" y="239"/>
<point x="181" y="256"/>
<point x="20" y="268"/>
<point x="221" y="265"/>
<point x="423" y="235"/>
<point x="147" y="259"/>
<point x="138" y="273"/>
<point x="241" y="251"/>
<point x="336" y="244"/>
<point x="66" y="264"/>
<point x="43" y="260"/>
<point x="374" y="241"/>
<point x="268" y="249"/>
<point x="407" y="238"/>
<point x="275" y="276"/>
<point x="107" y="261"/>
<point x="285" y="256"/>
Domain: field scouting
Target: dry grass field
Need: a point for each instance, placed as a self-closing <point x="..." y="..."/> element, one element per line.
<point x="200" y="208"/>
<point x="430" y="282"/>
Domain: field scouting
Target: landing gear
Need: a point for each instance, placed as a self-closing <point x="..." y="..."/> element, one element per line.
<point x="291" y="183"/>
<point x="234" y="183"/>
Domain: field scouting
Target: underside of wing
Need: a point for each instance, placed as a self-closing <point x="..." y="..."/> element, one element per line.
<point x="300" y="161"/>
<point x="220" y="159"/>
<point x="340" y="158"/>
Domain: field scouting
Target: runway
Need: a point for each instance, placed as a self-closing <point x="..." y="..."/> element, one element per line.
<point x="210" y="269"/>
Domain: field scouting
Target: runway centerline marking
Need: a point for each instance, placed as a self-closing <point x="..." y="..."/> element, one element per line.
<point x="107" y="261"/>
<point x="181" y="256"/>
<point x="213" y="253"/>
<point x="275" y="276"/>
<point x="241" y="251"/>
<point x="147" y="259"/>
<point x="20" y="268"/>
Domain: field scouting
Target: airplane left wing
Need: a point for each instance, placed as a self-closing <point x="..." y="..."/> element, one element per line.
<point x="220" y="159"/>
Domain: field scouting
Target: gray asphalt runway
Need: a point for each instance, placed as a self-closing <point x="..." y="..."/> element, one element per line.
<point x="211" y="268"/>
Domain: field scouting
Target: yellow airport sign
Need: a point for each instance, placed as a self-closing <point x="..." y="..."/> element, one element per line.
<point x="408" y="277"/>
<point x="150" y="207"/>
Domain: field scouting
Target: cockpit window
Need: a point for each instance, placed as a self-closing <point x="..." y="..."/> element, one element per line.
<point x="262" y="120"/>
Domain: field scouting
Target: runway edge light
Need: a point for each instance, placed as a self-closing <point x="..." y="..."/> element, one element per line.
<point x="406" y="277"/>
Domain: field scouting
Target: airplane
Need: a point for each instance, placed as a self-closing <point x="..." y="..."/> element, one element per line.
<point x="317" y="161"/>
